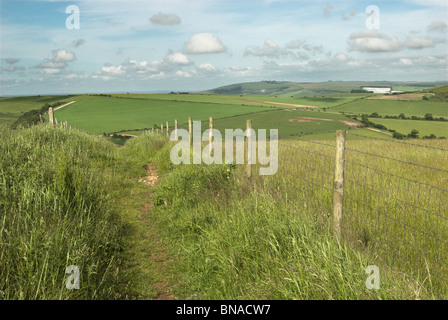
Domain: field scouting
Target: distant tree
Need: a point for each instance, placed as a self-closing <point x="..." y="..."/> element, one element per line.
<point x="402" y="116"/>
<point x="397" y="135"/>
<point x="413" y="134"/>
<point x="428" y="116"/>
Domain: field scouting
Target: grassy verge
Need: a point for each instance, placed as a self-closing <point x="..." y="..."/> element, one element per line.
<point x="240" y="239"/>
<point x="59" y="194"/>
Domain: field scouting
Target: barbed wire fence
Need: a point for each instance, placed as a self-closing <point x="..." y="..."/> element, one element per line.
<point x="394" y="199"/>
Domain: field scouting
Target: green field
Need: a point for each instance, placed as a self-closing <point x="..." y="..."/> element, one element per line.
<point x="12" y="107"/>
<point x="323" y="101"/>
<point x="99" y="114"/>
<point x="394" y="107"/>
<point x="425" y="128"/>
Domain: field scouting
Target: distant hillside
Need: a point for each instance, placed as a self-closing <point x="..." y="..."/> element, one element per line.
<point x="440" y="94"/>
<point x="301" y="89"/>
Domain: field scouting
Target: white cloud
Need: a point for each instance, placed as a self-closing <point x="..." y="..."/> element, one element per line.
<point x="113" y="70"/>
<point x="405" y="61"/>
<point x="269" y="49"/>
<point x="340" y="57"/>
<point x="62" y="55"/>
<point x="183" y="74"/>
<point x="207" y="67"/>
<point x="178" y="58"/>
<point x="57" y="64"/>
<point x="204" y="43"/>
<point x="165" y="19"/>
<point x="419" y="42"/>
<point x="372" y="41"/>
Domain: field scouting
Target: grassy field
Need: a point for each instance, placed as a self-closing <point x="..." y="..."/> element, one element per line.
<point x="270" y="238"/>
<point x="425" y="128"/>
<point x="12" y="107"/>
<point x="99" y="114"/>
<point x="395" y="107"/>
<point x="69" y="198"/>
<point x="323" y="101"/>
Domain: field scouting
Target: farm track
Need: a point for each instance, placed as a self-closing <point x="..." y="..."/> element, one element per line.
<point x="64" y="105"/>
<point x="279" y="103"/>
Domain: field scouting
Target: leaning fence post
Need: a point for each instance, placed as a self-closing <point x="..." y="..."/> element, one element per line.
<point x="51" y="115"/>
<point x="190" y="132"/>
<point x="338" y="185"/>
<point x="249" y="148"/>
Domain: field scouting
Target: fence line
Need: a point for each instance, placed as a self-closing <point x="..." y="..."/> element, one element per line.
<point x="404" y="220"/>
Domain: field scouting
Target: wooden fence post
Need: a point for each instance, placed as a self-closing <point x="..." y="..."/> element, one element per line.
<point x="210" y="135"/>
<point x="249" y="148"/>
<point x="51" y="115"/>
<point x="338" y="185"/>
<point x="161" y="128"/>
<point x="175" y="130"/>
<point x="190" y="132"/>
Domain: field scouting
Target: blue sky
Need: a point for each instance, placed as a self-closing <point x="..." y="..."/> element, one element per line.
<point x="180" y="45"/>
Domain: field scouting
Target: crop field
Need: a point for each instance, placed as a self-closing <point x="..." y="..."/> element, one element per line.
<point x="395" y="107"/>
<point x="425" y="128"/>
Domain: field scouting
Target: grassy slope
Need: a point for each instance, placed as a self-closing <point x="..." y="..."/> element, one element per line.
<point x="240" y="239"/>
<point x="58" y="208"/>
<point x="301" y="89"/>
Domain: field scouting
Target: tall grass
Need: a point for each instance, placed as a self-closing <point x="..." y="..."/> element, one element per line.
<point x="58" y="208"/>
<point x="264" y="238"/>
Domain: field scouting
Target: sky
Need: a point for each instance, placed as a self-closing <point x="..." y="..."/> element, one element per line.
<point x="99" y="46"/>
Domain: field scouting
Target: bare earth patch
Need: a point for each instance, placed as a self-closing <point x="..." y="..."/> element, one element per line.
<point x="152" y="177"/>
<point x="299" y="120"/>
<point x="311" y="118"/>
<point x="352" y="123"/>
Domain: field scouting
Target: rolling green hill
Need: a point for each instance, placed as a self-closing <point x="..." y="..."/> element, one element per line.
<point x="302" y="89"/>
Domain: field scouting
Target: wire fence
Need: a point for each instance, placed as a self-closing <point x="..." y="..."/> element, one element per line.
<point x="395" y="195"/>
